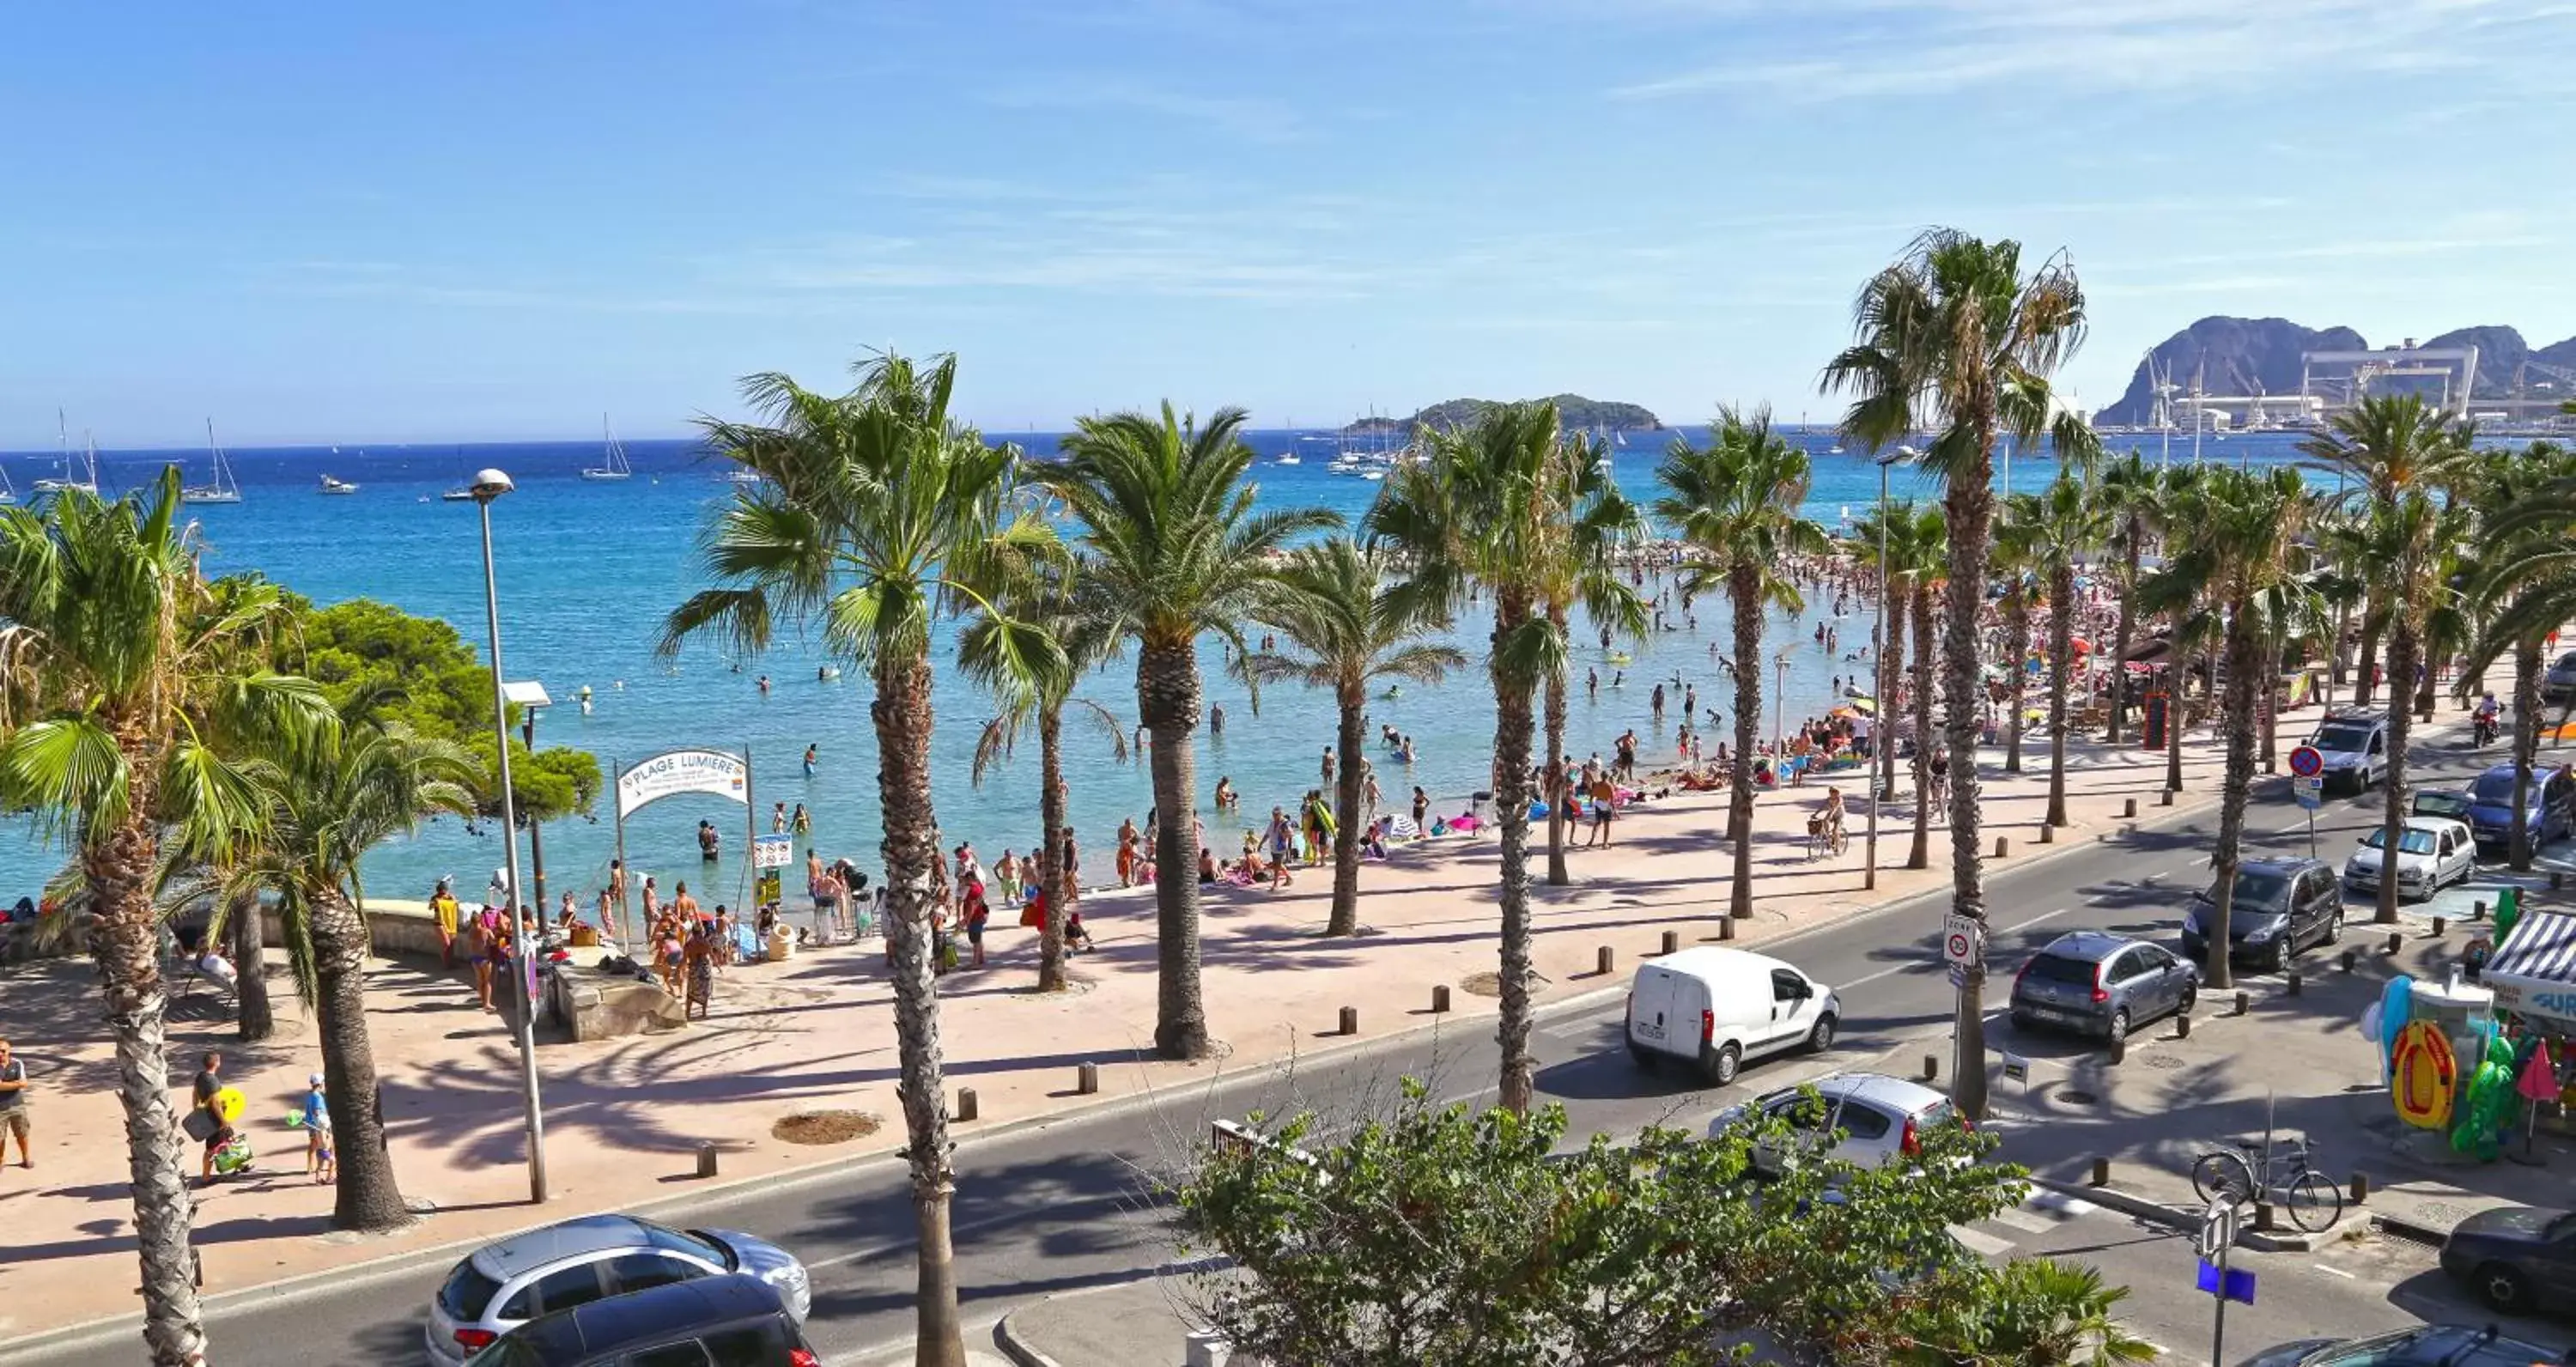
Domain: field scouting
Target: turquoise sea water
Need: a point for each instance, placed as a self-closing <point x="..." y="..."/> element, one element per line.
<point x="587" y="571"/>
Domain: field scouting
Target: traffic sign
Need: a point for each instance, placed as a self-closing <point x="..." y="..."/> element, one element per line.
<point x="2309" y="792"/>
<point x="2231" y="1283"/>
<point x="2217" y="1228"/>
<point x="1961" y="938"/>
<point x="2307" y="762"/>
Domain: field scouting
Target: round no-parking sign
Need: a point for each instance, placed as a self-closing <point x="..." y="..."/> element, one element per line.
<point x="2306" y="762"/>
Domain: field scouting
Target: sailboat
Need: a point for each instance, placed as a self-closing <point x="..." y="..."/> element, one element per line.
<point x="8" y="495"/>
<point x="225" y="489"/>
<point x="616" y="468"/>
<point x="462" y="493"/>
<point x="66" y="484"/>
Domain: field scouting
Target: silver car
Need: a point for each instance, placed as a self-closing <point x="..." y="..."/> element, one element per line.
<point x="505" y="1284"/>
<point x="2100" y="983"/>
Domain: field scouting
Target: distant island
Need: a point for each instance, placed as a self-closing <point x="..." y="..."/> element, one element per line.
<point x="1573" y="410"/>
<point x="2261" y="356"/>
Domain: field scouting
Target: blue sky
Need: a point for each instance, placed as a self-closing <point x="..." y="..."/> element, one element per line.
<point x="489" y="220"/>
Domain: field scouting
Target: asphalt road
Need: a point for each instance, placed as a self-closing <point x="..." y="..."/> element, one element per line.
<point x="1062" y="1206"/>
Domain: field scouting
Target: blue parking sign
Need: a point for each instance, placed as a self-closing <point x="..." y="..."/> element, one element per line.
<point x="2238" y="1286"/>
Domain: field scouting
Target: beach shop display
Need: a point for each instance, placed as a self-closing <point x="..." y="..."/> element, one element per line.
<point x="2451" y="1067"/>
<point x="2423" y="1075"/>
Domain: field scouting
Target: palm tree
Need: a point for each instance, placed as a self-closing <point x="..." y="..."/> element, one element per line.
<point x="1917" y="557"/>
<point x="2128" y="498"/>
<point x="1738" y="503"/>
<point x="1173" y="551"/>
<point x="2012" y="561"/>
<point x="1347" y="629"/>
<point x="114" y="666"/>
<point x="361" y="786"/>
<point x="876" y="514"/>
<point x="1487" y="503"/>
<point x="2039" y="1312"/>
<point x="2066" y="523"/>
<point x="1954" y="340"/>
<point x="1577" y="565"/>
<point x="2526" y="590"/>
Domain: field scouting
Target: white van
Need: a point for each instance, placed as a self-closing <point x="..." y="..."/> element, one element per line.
<point x="1720" y="1007"/>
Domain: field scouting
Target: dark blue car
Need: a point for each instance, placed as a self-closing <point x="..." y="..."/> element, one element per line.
<point x="2551" y="811"/>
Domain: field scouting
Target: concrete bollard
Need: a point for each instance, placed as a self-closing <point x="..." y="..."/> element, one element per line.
<point x="2440" y="924"/>
<point x="1440" y="999"/>
<point x="1350" y="1022"/>
<point x="1205" y="1348"/>
<point x="1672" y="942"/>
<point x="1603" y="961"/>
<point x="2396" y="942"/>
<point x="1726" y="927"/>
<point x="2557" y="879"/>
<point x="2047" y="834"/>
<point x="1931" y="1067"/>
<point x="2244" y="1003"/>
<point x="2119" y="1049"/>
<point x="2129" y="808"/>
<point x="2290" y="981"/>
<point x="2361" y="1188"/>
<point x="2349" y="960"/>
<point x="2263" y="1216"/>
<point x="968" y="1106"/>
<point x="2101" y="1172"/>
<point x="2477" y="911"/>
<point x="2165" y="798"/>
<point x="2003" y="846"/>
<point x="1086" y="1079"/>
<point x="706" y="1160"/>
<point x="2182" y="1025"/>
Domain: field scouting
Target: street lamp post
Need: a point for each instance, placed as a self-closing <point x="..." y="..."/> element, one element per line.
<point x="1779" y="707"/>
<point x="536" y="840"/>
<point x="489" y="485"/>
<point x="1885" y="741"/>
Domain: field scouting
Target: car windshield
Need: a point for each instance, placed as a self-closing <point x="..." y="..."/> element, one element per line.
<point x="466" y="1293"/>
<point x="2057" y="968"/>
<point x="2260" y="887"/>
<point x="690" y="1242"/>
<point x="2411" y="841"/>
<point x="2341" y="738"/>
<point x="2452" y="1345"/>
<point x="2442" y="804"/>
<point x="2497" y="789"/>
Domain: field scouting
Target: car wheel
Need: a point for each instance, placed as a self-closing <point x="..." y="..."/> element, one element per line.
<point x="1821" y="1038"/>
<point x="1720" y="1067"/>
<point x="2119" y="1024"/>
<point x="2021" y="1021"/>
<point x="2334" y="927"/>
<point x="2503" y="1289"/>
<point x="2190" y="998"/>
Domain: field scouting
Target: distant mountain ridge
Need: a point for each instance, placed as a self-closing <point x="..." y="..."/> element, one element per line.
<point x="2261" y="355"/>
<point x="1573" y="411"/>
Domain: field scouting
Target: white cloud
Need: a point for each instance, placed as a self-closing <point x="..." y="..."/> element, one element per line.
<point x="1255" y="120"/>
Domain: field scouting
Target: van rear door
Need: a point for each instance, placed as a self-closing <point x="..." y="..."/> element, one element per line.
<point x="1652" y="1015"/>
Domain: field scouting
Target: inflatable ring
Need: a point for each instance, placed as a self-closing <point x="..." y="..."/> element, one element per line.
<point x="229" y="1104"/>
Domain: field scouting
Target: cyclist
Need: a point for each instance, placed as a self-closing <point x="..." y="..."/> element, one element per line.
<point x="1826" y="826"/>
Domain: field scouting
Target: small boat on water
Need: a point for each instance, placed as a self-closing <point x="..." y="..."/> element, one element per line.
<point x="616" y="467"/>
<point x="1288" y="459"/>
<point x="336" y="486"/>
<point x="65" y="483"/>
<point x="8" y="495"/>
<point x="743" y="477"/>
<point x="224" y="489"/>
<point x="457" y="496"/>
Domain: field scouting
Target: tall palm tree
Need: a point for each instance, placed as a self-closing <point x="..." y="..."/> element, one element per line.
<point x="1347" y="628"/>
<point x="1737" y="502"/>
<point x="2067" y="523"/>
<point x="361" y="786"/>
<point x="2526" y="590"/>
<point x="1484" y="506"/>
<point x="1577" y="567"/>
<point x="1033" y="696"/>
<point x="2012" y="561"/>
<point x="876" y="514"/>
<point x="1173" y="551"/>
<point x="115" y="663"/>
<point x="2128" y="496"/>
<point x="1917" y="559"/>
<point x="2242" y="533"/>
<point x="1953" y="339"/>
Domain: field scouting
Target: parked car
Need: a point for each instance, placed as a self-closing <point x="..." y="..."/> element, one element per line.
<point x="1882" y="1119"/>
<point x="729" y="1321"/>
<point x="2559" y="684"/>
<point x="1719" y="1008"/>
<point x="2517" y="1258"/>
<point x="2101" y="983"/>
<point x="570" y="1264"/>
<point x="2426" y="1345"/>
<point x="2433" y="852"/>
<point x="2281" y="907"/>
<point x="2450" y="802"/>
<point x="2355" y="748"/>
<point x="2548" y="812"/>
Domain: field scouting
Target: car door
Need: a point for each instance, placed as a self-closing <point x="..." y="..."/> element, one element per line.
<point x="2560" y="816"/>
<point x="2322" y="898"/>
<point x="2456" y="860"/>
<point x="1792" y="1009"/>
<point x="2168" y="975"/>
<point x="561" y="1289"/>
<point x="2128" y="986"/>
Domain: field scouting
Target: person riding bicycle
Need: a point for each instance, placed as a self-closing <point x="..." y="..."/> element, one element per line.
<point x="1826" y="825"/>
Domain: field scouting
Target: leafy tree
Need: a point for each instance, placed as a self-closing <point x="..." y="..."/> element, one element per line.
<point x="1438" y="1235"/>
<point x="1348" y="629"/>
<point x="1737" y="503"/>
<point x="1953" y="339"/>
<point x="2526" y="590"/>
<point x="2128" y="497"/>
<point x="2031" y="1312"/>
<point x="875" y="514"/>
<point x="117" y="666"/>
<point x="1172" y="551"/>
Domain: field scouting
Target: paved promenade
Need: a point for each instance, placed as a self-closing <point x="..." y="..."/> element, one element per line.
<point x="626" y="1118"/>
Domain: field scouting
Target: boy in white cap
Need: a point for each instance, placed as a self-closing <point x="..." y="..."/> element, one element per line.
<point x="318" y="1159"/>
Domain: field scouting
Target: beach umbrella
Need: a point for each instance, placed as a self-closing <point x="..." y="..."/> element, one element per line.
<point x="2566" y="732"/>
<point x="1867" y="707"/>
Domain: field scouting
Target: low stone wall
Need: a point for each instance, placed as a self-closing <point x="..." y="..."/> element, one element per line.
<point x="394" y="928"/>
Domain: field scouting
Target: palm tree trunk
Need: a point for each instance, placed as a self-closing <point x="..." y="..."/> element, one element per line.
<point x="2436" y="649"/>
<point x="1891" y="658"/>
<point x="2175" y="692"/>
<point x="2276" y="650"/>
<point x="2061" y="677"/>
<point x="244" y="936"/>
<point x="1512" y="726"/>
<point x="2237" y="711"/>
<point x="2373" y="619"/>
<point x="1744" y="599"/>
<point x="126" y="943"/>
<point x="1346" y="835"/>
<point x="1554" y="788"/>
<point x="2526" y="745"/>
<point x="1921" y="858"/>
<point x="1970" y="504"/>
<point x="2401" y="717"/>
<point x="2016" y="683"/>
<point x="1167" y="699"/>
<point x="1050" y="880"/>
<point x="367" y="1198"/>
<point x="902" y="717"/>
<point x="2122" y="631"/>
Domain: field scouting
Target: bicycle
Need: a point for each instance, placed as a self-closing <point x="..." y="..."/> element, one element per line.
<point x="2243" y="1171"/>
<point x="1823" y="840"/>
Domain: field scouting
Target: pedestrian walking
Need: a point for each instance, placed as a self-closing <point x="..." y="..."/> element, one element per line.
<point x="319" y="1162"/>
<point x="13" y="1108"/>
<point x="444" y="913"/>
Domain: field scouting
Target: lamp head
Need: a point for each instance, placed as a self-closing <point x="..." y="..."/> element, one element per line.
<point x="489" y="485"/>
<point x="1902" y="453"/>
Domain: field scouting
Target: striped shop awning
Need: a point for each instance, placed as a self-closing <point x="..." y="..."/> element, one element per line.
<point x="2534" y="972"/>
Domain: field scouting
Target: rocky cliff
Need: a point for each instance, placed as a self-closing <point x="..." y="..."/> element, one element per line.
<point x="2261" y="356"/>
<point x="1573" y="410"/>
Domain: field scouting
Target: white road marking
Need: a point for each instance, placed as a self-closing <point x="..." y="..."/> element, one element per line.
<point x="2025" y="1221"/>
<point x="2063" y="1204"/>
<point x="1979" y="1242"/>
<point x="2321" y="1267"/>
